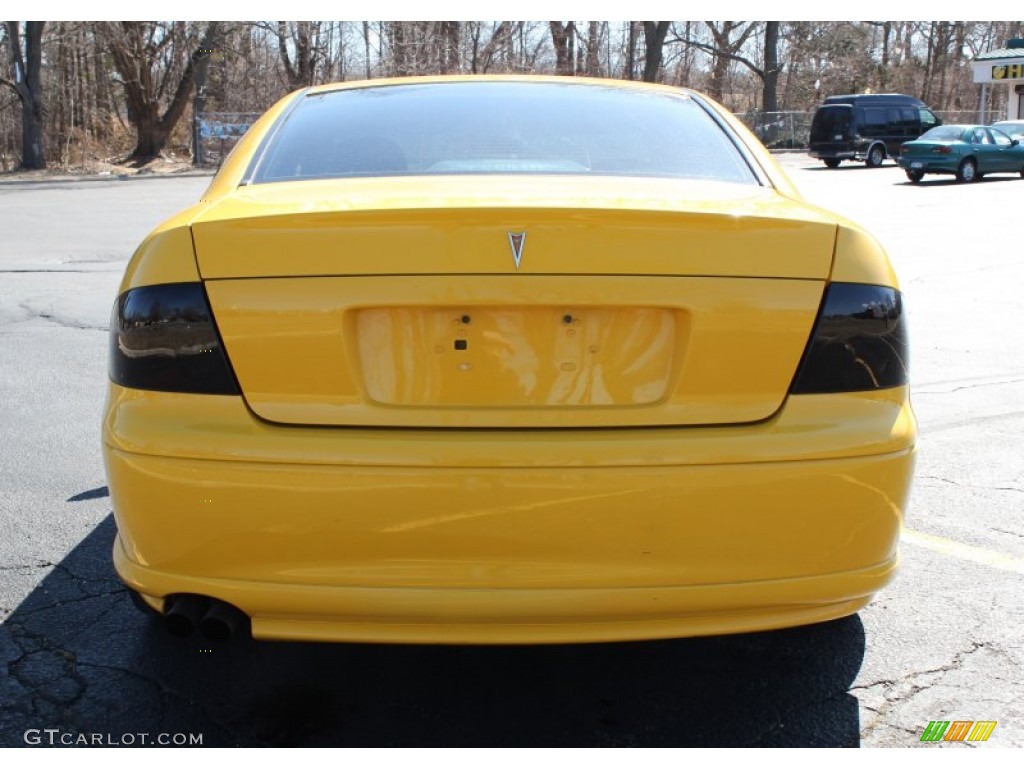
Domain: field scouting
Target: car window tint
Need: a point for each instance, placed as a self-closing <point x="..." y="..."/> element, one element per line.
<point x="893" y="124"/>
<point x="830" y="123"/>
<point x="531" y="128"/>
<point x="875" y="118"/>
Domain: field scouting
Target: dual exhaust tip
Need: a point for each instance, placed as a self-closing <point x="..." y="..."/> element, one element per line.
<point x="216" y="620"/>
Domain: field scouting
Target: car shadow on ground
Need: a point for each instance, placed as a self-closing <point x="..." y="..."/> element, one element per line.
<point x="937" y="180"/>
<point x="82" y="659"/>
<point x="852" y="165"/>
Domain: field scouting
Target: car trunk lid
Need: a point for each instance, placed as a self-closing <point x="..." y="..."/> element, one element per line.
<point x="489" y="302"/>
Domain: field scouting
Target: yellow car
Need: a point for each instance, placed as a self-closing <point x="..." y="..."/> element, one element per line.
<point x="505" y="360"/>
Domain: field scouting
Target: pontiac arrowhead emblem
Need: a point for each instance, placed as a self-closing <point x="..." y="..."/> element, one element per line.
<point x="516" y="240"/>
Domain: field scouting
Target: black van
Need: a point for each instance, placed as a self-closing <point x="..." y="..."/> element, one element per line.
<point x="867" y="126"/>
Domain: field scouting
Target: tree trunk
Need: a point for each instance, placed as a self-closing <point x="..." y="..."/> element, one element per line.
<point x="151" y="140"/>
<point x="27" y="83"/>
<point x="562" y="38"/>
<point x="592" y="63"/>
<point x="769" y="90"/>
<point x="198" y="107"/>
<point x="451" y="34"/>
<point x="719" y="72"/>
<point x="654" y="42"/>
<point x="366" y="45"/>
<point x="32" y="155"/>
<point x="631" y="50"/>
<point x="929" y="66"/>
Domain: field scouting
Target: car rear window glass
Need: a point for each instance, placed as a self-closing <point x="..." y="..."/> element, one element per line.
<point x="499" y="128"/>
<point x="944" y="133"/>
<point x="830" y="123"/>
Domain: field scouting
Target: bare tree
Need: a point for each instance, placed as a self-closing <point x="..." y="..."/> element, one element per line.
<point x="137" y="49"/>
<point x="424" y="47"/>
<point x="304" y="39"/>
<point x="770" y="73"/>
<point x="563" y="38"/>
<point x="26" y="66"/>
<point x="588" y="52"/>
<point x="111" y="87"/>
<point x="726" y="50"/>
<point x="481" y="59"/>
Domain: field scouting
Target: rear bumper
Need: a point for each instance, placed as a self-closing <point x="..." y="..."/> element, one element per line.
<point x="532" y="536"/>
<point x="522" y="616"/>
<point x="928" y="165"/>
<point x="841" y="151"/>
<point x="837" y="154"/>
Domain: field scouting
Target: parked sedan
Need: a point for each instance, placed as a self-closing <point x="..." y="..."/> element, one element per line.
<point x="965" y="151"/>
<point x="505" y="360"/>
<point x="1012" y="128"/>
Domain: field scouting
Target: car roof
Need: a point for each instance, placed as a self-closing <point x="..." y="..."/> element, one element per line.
<point x="961" y="127"/>
<point x="625" y="85"/>
<point x="873" y="98"/>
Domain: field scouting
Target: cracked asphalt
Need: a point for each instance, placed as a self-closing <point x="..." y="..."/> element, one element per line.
<point x="944" y="642"/>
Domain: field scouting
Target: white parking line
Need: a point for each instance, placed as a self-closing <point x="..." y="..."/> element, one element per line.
<point x="970" y="552"/>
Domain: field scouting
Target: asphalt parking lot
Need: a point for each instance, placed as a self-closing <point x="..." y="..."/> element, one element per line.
<point x="944" y="642"/>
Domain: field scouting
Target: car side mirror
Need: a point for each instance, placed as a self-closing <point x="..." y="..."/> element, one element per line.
<point x="1014" y="142"/>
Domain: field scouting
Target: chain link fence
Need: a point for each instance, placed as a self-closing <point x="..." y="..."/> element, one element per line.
<point x="779" y="130"/>
<point x="216" y="133"/>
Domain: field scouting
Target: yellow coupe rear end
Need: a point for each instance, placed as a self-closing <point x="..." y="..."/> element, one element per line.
<point x="542" y="361"/>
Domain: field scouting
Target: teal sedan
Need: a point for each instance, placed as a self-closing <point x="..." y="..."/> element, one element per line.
<point x="965" y="151"/>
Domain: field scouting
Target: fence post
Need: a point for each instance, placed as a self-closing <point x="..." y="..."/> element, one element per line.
<point x="197" y="133"/>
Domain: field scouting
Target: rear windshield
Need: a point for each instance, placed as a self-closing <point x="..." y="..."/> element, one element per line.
<point x="499" y="128"/>
<point x="830" y="123"/>
<point x="943" y="133"/>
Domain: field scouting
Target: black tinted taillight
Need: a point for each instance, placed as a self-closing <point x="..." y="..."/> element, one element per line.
<point x="859" y="342"/>
<point x="163" y="337"/>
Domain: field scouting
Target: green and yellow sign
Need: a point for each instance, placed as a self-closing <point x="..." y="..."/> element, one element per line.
<point x="959" y="730"/>
<point x="1008" y="71"/>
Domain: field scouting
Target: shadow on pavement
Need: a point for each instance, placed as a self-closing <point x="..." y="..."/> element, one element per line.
<point x="79" y="657"/>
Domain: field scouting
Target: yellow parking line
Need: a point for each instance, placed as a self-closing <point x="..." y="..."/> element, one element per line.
<point x="970" y="552"/>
